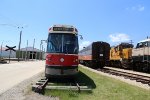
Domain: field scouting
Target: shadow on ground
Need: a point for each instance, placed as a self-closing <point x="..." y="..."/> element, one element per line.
<point x="83" y="78"/>
<point x="80" y="78"/>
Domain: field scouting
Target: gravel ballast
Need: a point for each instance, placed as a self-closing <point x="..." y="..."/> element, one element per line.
<point x="23" y="91"/>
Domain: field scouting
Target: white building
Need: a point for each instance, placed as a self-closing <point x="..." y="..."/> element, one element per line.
<point x="30" y="53"/>
<point x="6" y="54"/>
<point x="25" y="53"/>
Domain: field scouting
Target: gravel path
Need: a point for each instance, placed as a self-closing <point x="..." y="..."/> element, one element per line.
<point x="132" y="82"/>
<point x="23" y="91"/>
<point x="14" y="73"/>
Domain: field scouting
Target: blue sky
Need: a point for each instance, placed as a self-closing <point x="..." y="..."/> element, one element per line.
<point x="113" y="21"/>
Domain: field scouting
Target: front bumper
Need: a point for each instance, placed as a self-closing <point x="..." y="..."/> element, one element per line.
<point x="60" y="71"/>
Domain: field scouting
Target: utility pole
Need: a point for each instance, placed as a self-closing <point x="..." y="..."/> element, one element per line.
<point x="19" y="44"/>
<point x="131" y="41"/>
<point x="42" y="52"/>
<point x="1" y="49"/>
<point x="40" y="56"/>
<point x="26" y="56"/>
<point x="41" y="47"/>
<point x="33" y="48"/>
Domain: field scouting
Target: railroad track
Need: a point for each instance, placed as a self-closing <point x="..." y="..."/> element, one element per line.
<point x="132" y="76"/>
<point x="44" y="83"/>
<point x="40" y="85"/>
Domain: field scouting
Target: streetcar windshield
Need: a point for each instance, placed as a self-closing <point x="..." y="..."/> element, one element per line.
<point x="62" y="43"/>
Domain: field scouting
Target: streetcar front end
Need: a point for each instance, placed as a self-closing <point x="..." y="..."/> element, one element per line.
<point x="62" y="52"/>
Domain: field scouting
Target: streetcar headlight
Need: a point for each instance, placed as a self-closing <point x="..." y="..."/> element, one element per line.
<point x="49" y="59"/>
<point x="62" y="59"/>
<point x="75" y="60"/>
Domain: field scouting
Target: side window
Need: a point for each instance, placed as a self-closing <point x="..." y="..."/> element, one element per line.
<point x="148" y="43"/>
<point x="142" y="44"/>
<point x="139" y="45"/>
<point x="50" y="47"/>
<point x="56" y="42"/>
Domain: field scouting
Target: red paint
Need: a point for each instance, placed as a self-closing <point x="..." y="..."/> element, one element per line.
<point x="54" y="59"/>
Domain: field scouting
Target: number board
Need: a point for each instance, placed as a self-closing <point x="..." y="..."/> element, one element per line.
<point x="63" y="29"/>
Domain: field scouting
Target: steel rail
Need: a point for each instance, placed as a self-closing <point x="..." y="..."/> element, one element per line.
<point x="132" y="76"/>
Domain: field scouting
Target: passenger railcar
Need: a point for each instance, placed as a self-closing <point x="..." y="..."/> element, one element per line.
<point x="62" y="51"/>
<point x="95" y="55"/>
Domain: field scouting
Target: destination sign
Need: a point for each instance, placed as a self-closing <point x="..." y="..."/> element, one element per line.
<point x="63" y="29"/>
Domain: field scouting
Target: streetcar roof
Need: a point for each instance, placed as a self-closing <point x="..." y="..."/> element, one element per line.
<point x="63" y="29"/>
<point x="59" y="25"/>
<point x="65" y="32"/>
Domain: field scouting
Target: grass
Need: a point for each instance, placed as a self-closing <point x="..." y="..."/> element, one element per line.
<point x="103" y="88"/>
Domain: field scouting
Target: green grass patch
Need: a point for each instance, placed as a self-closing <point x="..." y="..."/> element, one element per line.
<point x="103" y="88"/>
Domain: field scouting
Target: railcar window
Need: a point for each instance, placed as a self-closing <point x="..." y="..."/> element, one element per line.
<point x="139" y="45"/>
<point x="142" y="44"/>
<point x="54" y="43"/>
<point x="70" y="44"/>
<point x="148" y="43"/>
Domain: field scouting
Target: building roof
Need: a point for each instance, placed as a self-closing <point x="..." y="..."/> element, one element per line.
<point x="30" y="49"/>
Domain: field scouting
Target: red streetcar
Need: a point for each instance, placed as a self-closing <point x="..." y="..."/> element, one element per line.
<point x="62" y="51"/>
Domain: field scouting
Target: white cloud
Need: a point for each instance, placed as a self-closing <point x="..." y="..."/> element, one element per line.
<point x="84" y="44"/>
<point x="119" y="37"/>
<point x="136" y="8"/>
<point x="133" y="8"/>
<point x="141" y="8"/>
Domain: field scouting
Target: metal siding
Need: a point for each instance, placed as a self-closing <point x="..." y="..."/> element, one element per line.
<point x="141" y="51"/>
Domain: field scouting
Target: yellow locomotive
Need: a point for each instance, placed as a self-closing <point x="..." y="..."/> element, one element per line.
<point x="121" y="55"/>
